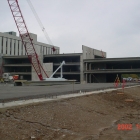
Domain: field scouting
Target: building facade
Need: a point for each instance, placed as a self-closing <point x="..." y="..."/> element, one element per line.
<point x="89" y="66"/>
<point x="14" y="60"/>
<point x="10" y="44"/>
<point x="72" y="70"/>
<point x="106" y="70"/>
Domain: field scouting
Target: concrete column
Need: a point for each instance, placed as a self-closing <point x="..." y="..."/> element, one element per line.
<point x="8" y="46"/>
<point x="4" y="45"/>
<point x="86" y="78"/>
<point x="81" y="69"/>
<point x="49" y="50"/>
<point x="23" y="50"/>
<point x="19" y="48"/>
<point x="44" y="51"/>
<point x="12" y="47"/>
<point x="86" y="66"/>
<point x="89" y="78"/>
<point x="16" y="47"/>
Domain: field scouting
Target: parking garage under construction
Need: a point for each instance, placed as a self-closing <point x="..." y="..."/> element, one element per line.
<point x="90" y="66"/>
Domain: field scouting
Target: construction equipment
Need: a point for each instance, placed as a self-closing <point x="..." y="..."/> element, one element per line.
<point x="59" y="78"/>
<point x="39" y="22"/>
<point x="41" y="25"/>
<point x="7" y="77"/>
<point x="15" y="77"/>
<point x="26" y="38"/>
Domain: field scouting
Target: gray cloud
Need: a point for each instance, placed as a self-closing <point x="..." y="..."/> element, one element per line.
<point x="113" y="25"/>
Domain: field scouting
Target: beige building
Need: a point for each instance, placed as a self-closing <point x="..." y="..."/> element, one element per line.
<point x="11" y="44"/>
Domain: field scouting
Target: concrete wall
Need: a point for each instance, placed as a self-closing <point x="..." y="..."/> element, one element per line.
<point x="34" y="76"/>
<point x="99" y="53"/>
<point x="40" y="58"/>
<point x="34" y="37"/>
<point x="48" y="67"/>
<point x="47" y="48"/>
<point x="88" y="53"/>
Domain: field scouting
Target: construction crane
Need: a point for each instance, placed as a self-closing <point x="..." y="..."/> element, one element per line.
<point x="41" y="25"/>
<point x="26" y="37"/>
<point x="28" y="43"/>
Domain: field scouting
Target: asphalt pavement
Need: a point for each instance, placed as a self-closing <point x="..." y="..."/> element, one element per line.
<point x="9" y="92"/>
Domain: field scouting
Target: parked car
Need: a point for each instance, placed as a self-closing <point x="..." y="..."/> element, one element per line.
<point x="135" y="79"/>
<point x="129" y="79"/>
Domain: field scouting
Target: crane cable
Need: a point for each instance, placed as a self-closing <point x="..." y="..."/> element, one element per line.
<point x="40" y="23"/>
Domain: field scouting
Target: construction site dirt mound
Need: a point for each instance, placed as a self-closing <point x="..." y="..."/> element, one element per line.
<point x="121" y="100"/>
<point x="111" y="115"/>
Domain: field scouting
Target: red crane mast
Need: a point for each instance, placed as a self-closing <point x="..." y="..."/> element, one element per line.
<point x="25" y="37"/>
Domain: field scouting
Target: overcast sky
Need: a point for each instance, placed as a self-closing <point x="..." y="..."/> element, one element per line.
<point x="109" y="25"/>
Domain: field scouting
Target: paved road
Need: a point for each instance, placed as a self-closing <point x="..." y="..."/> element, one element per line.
<point x="9" y="92"/>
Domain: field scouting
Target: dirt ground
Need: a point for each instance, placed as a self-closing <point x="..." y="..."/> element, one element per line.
<point x="104" y="116"/>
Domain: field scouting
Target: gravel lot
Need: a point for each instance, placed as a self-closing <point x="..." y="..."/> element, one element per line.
<point x="91" y="117"/>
